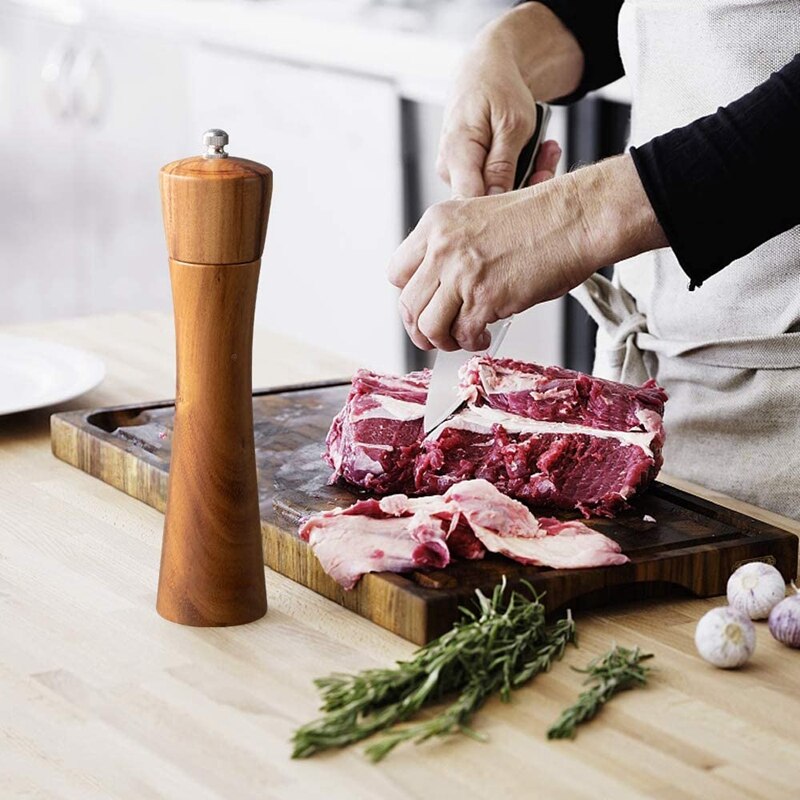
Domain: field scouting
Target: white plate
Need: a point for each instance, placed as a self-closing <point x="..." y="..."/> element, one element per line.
<point x="36" y="373"/>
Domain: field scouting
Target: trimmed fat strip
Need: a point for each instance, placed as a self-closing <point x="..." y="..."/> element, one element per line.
<point x="348" y="546"/>
<point x="565" y="547"/>
<point x="399" y="533"/>
<point x="507" y="527"/>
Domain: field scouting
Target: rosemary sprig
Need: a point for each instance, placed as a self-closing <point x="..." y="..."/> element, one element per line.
<point x="496" y="648"/>
<point x="455" y="717"/>
<point x="620" y="668"/>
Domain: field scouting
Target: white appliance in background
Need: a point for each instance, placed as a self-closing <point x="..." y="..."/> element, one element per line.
<point x="80" y="220"/>
<point x="332" y="140"/>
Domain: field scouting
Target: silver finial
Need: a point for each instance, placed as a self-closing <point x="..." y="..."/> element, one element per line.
<point x="214" y="141"/>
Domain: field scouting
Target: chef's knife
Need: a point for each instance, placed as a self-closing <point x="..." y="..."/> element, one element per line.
<point x="443" y="398"/>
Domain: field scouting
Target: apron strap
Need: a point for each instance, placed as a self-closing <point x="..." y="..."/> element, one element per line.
<point x="617" y="356"/>
<point x="624" y="339"/>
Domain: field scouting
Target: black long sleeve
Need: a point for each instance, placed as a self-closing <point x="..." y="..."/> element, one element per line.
<point x="593" y="23"/>
<point x="726" y="183"/>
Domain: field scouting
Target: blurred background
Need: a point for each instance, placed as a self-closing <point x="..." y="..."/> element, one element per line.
<point x="342" y="98"/>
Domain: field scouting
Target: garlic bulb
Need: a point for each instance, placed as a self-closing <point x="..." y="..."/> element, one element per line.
<point x="725" y="637"/>
<point x="756" y="588"/>
<point x="784" y="621"/>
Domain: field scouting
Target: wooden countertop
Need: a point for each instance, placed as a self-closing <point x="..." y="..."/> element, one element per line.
<point x="100" y="697"/>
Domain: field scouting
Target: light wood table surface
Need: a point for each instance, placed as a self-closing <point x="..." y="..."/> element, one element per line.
<point x="100" y="697"/>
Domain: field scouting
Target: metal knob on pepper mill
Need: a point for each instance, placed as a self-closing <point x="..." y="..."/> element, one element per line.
<point x="216" y="210"/>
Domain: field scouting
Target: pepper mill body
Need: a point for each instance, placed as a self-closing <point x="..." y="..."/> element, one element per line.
<point x="215" y="211"/>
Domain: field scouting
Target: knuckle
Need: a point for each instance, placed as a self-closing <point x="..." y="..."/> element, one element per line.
<point x="481" y="294"/>
<point x="440" y="247"/>
<point x="430" y="327"/>
<point x="393" y="274"/>
<point x="431" y="215"/>
<point x="442" y="170"/>
<point x="427" y="331"/>
<point x="500" y="168"/>
<point x="467" y="343"/>
<point x="419" y="339"/>
<point x="473" y="131"/>
<point x="514" y="118"/>
<point x="445" y="210"/>
<point x="436" y="214"/>
<point x="474" y="342"/>
<point x="405" y="313"/>
<point x="468" y="330"/>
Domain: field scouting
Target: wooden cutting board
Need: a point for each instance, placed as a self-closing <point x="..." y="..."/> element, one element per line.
<point x="692" y="547"/>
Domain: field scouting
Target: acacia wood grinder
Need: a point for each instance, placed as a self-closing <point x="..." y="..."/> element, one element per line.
<point x="216" y="210"/>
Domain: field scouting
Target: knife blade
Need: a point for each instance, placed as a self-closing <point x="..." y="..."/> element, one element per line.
<point x="443" y="397"/>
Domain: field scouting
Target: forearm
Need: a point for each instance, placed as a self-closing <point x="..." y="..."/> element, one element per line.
<point x="472" y="261"/>
<point x="566" y="228"/>
<point x="611" y="216"/>
<point x="545" y="52"/>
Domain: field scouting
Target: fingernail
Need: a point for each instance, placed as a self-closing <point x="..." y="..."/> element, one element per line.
<point x="496" y="190"/>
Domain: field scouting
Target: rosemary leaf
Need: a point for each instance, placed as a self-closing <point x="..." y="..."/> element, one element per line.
<point x="495" y="648"/>
<point x="455" y="717"/>
<point x="619" y="669"/>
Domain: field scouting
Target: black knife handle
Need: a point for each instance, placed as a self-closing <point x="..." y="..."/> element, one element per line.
<point x="527" y="158"/>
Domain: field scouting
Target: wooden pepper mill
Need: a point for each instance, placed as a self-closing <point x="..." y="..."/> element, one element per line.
<point x="216" y="211"/>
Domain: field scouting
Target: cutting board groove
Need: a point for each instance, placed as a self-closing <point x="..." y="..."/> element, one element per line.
<point x="691" y="548"/>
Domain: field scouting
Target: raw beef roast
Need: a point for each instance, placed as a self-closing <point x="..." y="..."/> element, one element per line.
<point x="399" y="533"/>
<point x="546" y="435"/>
<point x="374" y="441"/>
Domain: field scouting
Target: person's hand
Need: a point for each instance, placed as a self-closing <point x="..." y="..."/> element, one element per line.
<point x="525" y="54"/>
<point x="470" y="262"/>
<point x="462" y="221"/>
<point x="546" y="163"/>
<point x="489" y="118"/>
<point x="476" y="259"/>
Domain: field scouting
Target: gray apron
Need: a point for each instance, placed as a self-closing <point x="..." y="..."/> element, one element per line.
<point x="728" y="354"/>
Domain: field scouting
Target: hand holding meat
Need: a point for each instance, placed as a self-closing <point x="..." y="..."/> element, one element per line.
<point x="471" y="262"/>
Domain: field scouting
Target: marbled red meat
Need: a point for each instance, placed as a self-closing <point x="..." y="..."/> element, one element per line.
<point x="555" y="394"/>
<point x="375" y="439"/>
<point x="549" y="436"/>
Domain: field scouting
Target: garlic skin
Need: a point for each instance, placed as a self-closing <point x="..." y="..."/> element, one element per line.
<point x="725" y="637"/>
<point x="784" y="621"/>
<point x="756" y="588"/>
